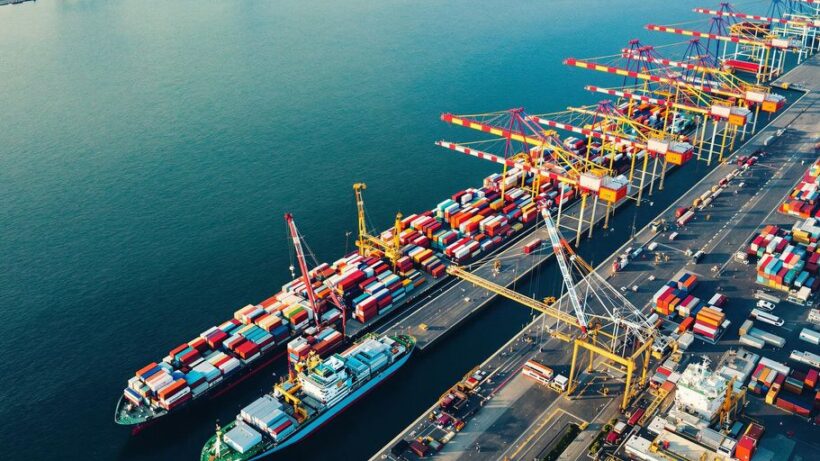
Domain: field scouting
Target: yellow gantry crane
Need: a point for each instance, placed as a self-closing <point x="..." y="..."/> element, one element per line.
<point x="616" y="331"/>
<point x="370" y="245"/>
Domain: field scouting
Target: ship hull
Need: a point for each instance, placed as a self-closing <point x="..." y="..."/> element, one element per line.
<point x="232" y="381"/>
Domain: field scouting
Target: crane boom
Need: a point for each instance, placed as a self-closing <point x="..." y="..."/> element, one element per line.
<point x="649" y="77"/>
<point x="770" y="43"/>
<point x="563" y="263"/>
<point x="505" y="161"/>
<point x="538" y="139"/>
<point x="752" y="94"/>
<point x="534" y="304"/>
<point x="300" y="256"/>
<point x="734" y="14"/>
<point x="649" y="99"/>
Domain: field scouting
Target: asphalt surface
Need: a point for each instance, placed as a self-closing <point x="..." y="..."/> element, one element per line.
<point x="521" y="419"/>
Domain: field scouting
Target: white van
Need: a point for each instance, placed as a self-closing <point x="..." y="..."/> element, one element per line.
<point x="767" y="318"/>
<point x="765" y="305"/>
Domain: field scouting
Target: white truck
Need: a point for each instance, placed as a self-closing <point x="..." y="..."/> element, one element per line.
<point x="560" y="383"/>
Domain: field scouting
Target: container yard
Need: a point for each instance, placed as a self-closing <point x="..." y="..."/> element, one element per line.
<point x="520" y="416"/>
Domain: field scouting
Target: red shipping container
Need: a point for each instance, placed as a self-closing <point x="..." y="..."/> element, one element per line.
<point x="216" y="338"/>
<point x="385" y="301"/>
<point x="247" y="349"/>
<point x="745" y="448"/>
<point x="754" y="431"/>
<point x="190" y="357"/>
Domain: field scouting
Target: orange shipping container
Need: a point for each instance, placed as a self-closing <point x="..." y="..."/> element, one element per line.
<point x="171" y="389"/>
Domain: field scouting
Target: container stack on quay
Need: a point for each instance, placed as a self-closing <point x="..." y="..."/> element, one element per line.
<point x="705" y="319"/>
<point x="371" y="287"/>
<point x="787" y="260"/>
<point x="788" y="388"/>
<point x="804" y="199"/>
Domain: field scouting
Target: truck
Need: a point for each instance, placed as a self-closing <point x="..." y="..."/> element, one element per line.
<point x="810" y="336"/>
<point x="767" y="318"/>
<point x="616" y="433"/>
<point x="814" y="316"/>
<point x="559" y="383"/>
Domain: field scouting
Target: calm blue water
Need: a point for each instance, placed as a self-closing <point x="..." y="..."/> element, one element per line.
<point x="150" y="148"/>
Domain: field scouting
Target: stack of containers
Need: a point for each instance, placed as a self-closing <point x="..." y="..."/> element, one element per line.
<point x="788" y="260"/>
<point x="326" y="341"/>
<point x="298" y="349"/>
<point x="708" y="322"/>
<point x="674" y="296"/>
<point x="804" y="199"/>
<point x="266" y="414"/>
<point x="762" y="379"/>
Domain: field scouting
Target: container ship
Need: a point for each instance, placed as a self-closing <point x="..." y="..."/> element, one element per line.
<point x="317" y="391"/>
<point x="471" y="223"/>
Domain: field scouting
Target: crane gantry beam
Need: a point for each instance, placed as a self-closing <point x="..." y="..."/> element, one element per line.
<point x="508" y="162"/>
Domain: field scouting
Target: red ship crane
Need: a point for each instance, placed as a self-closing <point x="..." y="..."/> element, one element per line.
<point x="315" y="304"/>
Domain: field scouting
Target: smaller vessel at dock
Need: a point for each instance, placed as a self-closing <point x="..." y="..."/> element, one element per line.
<point x="317" y="390"/>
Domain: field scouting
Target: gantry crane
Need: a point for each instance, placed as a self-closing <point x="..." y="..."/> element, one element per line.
<point x="766" y="55"/>
<point x="721" y="103"/>
<point x="541" y="153"/>
<point x="315" y="304"/>
<point x="697" y="67"/>
<point x="370" y="245"/>
<point x="619" y="134"/>
<point x="799" y="27"/>
<point x="605" y="323"/>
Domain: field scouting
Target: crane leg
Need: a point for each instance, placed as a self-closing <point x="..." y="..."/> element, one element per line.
<point x="581" y="219"/>
<point x="594" y="207"/>
<point x="630" y="368"/>
<point x="663" y="173"/>
<point x="571" y="384"/>
<point x="643" y="177"/>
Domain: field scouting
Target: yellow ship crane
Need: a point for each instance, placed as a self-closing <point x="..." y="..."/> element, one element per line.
<point x="289" y="394"/>
<point x="370" y="245"/>
<point x="613" y="330"/>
